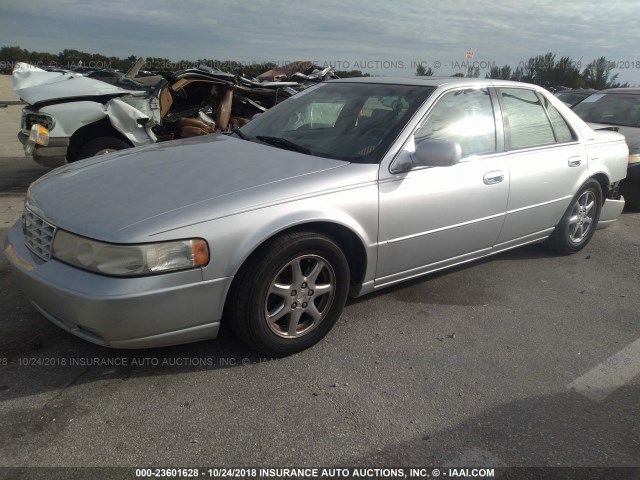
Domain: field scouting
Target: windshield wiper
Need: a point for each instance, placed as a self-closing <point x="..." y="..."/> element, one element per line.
<point x="240" y="134"/>
<point x="284" y="144"/>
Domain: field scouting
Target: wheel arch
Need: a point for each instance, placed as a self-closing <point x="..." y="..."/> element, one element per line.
<point x="605" y="184"/>
<point x="101" y="128"/>
<point x="350" y="242"/>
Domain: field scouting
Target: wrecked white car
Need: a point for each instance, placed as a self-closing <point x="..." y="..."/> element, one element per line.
<point x="70" y="116"/>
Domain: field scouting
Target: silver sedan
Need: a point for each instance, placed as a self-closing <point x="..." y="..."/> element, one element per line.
<point x="345" y="188"/>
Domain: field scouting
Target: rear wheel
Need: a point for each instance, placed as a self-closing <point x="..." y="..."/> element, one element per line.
<point x="579" y="222"/>
<point x="291" y="294"/>
<point x="101" y="146"/>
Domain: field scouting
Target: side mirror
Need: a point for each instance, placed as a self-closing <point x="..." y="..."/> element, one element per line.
<point x="436" y="153"/>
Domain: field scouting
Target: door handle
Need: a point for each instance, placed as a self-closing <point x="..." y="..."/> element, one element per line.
<point x="491" y="178"/>
<point x="575" y="161"/>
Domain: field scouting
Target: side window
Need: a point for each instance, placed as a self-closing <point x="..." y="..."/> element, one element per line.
<point x="528" y="124"/>
<point x="563" y="132"/>
<point x="464" y="117"/>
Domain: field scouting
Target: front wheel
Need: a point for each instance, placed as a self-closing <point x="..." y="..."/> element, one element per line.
<point x="290" y="294"/>
<point x="579" y="222"/>
<point x="101" y="146"/>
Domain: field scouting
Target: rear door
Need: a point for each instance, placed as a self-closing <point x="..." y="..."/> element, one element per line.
<point x="545" y="161"/>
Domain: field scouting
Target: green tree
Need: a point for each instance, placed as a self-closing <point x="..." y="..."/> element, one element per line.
<point x="517" y="75"/>
<point x="13" y="54"/>
<point x="567" y="73"/>
<point x="351" y="73"/>
<point x="597" y="74"/>
<point x="422" y="71"/>
<point x="499" y="73"/>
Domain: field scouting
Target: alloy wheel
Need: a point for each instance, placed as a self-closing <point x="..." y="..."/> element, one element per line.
<point x="300" y="296"/>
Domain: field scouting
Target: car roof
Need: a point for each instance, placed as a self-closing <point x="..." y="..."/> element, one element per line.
<point x="578" y="90"/>
<point x="434" y="81"/>
<point x="632" y="90"/>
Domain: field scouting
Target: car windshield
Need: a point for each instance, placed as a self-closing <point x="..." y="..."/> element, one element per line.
<point x="610" y="108"/>
<point x="356" y="122"/>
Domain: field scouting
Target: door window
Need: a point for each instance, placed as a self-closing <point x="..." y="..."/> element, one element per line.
<point x="528" y="124"/>
<point x="464" y="117"/>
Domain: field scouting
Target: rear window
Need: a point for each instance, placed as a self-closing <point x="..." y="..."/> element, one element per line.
<point x="611" y="108"/>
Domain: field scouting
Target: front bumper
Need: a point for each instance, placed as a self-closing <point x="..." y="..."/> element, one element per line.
<point x="141" y="312"/>
<point x="53" y="155"/>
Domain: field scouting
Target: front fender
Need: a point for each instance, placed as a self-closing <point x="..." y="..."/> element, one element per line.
<point x="354" y="209"/>
<point x="71" y="116"/>
<point x="130" y="122"/>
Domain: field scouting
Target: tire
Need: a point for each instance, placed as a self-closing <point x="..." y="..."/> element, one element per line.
<point x="631" y="192"/>
<point x="579" y="222"/>
<point x="290" y="294"/>
<point x="633" y="203"/>
<point x="101" y="146"/>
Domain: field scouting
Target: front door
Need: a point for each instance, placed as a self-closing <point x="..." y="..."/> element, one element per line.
<point x="431" y="218"/>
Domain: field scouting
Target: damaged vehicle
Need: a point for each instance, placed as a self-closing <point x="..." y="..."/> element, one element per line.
<point x="346" y="188"/>
<point x="71" y="116"/>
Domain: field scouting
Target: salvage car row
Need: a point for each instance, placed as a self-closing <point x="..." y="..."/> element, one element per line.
<point x="345" y="188"/>
<point x="71" y="116"/>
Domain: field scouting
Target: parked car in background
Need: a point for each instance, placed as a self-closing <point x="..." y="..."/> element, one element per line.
<point x="346" y="188"/>
<point x="571" y="98"/>
<point x="619" y="109"/>
<point x="6" y="68"/>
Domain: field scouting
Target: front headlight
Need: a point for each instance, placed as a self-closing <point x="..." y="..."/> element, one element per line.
<point x="129" y="260"/>
<point x="31" y="117"/>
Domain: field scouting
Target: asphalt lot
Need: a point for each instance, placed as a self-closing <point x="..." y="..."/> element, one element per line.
<point x="526" y="359"/>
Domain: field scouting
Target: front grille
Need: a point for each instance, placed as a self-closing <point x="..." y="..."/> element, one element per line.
<point x="38" y="234"/>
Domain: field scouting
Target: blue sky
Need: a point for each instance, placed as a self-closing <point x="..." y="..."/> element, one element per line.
<point x="380" y="37"/>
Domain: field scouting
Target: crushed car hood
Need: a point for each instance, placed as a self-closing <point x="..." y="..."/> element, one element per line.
<point x="34" y="85"/>
<point x="131" y="195"/>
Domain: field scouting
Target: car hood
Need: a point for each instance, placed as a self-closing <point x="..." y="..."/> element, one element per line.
<point x="34" y="85"/>
<point x="131" y="195"/>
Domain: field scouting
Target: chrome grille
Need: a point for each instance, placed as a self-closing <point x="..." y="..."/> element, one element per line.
<point x="38" y="234"/>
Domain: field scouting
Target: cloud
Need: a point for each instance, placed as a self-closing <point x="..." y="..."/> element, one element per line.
<point x="504" y="32"/>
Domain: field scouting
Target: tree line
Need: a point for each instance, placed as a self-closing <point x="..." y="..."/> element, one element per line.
<point x="73" y="59"/>
<point x="551" y="72"/>
<point x="548" y="70"/>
